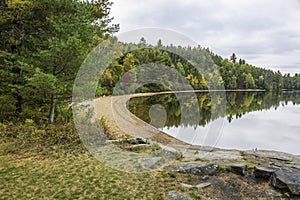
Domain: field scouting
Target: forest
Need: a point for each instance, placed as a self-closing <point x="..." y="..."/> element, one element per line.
<point x="43" y="44"/>
<point x="214" y="71"/>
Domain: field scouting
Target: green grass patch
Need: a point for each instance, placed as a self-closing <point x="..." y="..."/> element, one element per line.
<point x="60" y="175"/>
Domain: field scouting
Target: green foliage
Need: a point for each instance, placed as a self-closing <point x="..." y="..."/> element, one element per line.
<point x="233" y="58"/>
<point x="43" y="44"/>
<point x="291" y="82"/>
<point x="222" y="72"/>
<point x="244" y="76"/>
<point x="7" y="107"/>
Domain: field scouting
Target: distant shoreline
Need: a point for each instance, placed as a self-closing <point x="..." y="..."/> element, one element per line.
<point x="198" y="91"/>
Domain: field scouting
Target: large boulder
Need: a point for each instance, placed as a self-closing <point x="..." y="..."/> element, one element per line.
<point x="197" y="168"/>
<point x="285" y="179"/>
<point x="264" y="172"/>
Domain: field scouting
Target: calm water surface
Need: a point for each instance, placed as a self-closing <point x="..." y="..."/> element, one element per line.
<point x="235" y="120"/>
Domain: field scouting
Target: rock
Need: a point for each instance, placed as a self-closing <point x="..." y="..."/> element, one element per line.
<point x="285" y="179"/>
<point x="264" y="172"/>
<point x="172" y="195"/>
<point x="150" y="162"/>
<point x="136" y="141"/>
<point x="138" y="147"/>
<point x="129" y="141"/>
<point x="296" y="167"/>
<point x="187" y="185"/>
<point x="112" y="141"/>
<point x="277" y="165"/>
<point x="237" y="168"/>
<point x="272" y="193"/>
<point x="170" y="152"/>
<point x="205" y="177"/>
<point x="212" y="155"/>
<point x="197" y="168"/>
<point x="200" y="185"/>
<point x="280" y="156"/>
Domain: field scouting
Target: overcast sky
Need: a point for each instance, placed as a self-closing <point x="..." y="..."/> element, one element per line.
<point x="265" y="33"/>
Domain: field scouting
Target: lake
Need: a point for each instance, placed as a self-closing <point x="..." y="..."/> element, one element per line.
<point x="231" y="120"/>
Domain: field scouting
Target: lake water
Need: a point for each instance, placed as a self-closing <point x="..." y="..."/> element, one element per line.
<point x="231" y="120"/>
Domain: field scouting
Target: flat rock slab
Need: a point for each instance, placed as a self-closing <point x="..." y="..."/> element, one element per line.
<point x="264" y="172"/>
<point x="192" y="155"/>
<point x="200" y="185"/>
<point x="150" y="162"/>
<point x="172" y="195"/>
<point x="280" y="156"/>
<point x="284" y="179"/>
<point x="197" y="168"/>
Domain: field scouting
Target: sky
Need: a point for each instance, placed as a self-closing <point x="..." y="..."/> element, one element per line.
<point x="266" y="33"/>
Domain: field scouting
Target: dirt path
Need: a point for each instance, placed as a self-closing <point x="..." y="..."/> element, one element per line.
<point x="122" y="122"/>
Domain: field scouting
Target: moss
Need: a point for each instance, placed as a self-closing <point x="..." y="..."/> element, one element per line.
<point x="202" y="160"/>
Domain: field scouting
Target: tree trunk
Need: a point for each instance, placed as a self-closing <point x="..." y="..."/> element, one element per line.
<point x="53" y="100"/>
<point x="52" y="108"/>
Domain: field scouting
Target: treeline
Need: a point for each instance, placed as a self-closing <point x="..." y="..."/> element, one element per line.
<point x="291" y="82"/>
<point x="42" y="46"/>
<point x="200" y="66"/>
<point x="244" y="76"/>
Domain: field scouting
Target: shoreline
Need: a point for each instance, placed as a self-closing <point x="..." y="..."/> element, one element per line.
<point x="123" y="123"/>
<point x="271" y="173"/>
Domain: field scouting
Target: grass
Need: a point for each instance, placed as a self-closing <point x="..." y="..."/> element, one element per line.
<point x="201" y="160"/>
<point x="40" y="162"/>
<point x="36" y="176"/>
<point x="37" y="167"/>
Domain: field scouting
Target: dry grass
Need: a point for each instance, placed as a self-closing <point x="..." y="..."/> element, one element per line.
<point x="60" y="176"/>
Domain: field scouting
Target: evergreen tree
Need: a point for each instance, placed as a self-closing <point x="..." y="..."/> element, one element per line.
<point x="233" y="58"/>
<point x="43" y="44"/>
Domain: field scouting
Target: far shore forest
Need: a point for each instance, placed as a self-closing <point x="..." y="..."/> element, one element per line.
<point x="43" y="44"/>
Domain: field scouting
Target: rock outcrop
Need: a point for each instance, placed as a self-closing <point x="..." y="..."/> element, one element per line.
<point x="196" y="168"/>
<point x="172" y="195"/>
<point x="285" y="179"/>
<point x="264" y="172"/>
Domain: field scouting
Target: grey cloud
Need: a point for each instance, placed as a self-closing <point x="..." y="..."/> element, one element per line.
<point x="249" y="28"/>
